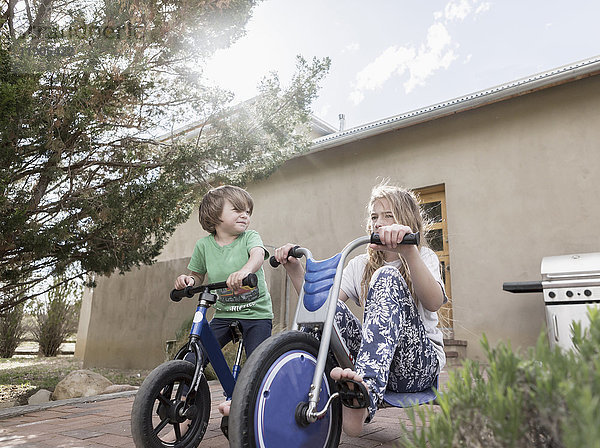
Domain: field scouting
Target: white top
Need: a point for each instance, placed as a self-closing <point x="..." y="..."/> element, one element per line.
<point x="351" y="285"/>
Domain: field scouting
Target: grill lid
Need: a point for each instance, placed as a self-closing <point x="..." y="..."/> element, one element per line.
<point x="561" y="272"/>
<point x="582" y="268"/>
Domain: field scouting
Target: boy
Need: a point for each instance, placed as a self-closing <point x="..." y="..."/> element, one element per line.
<point x="230" y="253"/>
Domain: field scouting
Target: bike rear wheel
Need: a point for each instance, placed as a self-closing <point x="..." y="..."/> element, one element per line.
<point x="156" y="416"/>
<point x="273" y="384"/>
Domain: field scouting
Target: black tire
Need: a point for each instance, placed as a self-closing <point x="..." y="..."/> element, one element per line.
<point x="274" y="381"/>
<point x="156" y="407"/>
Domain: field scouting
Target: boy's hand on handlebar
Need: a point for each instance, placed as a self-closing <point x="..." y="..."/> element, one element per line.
<point x="391" y="236"/>
<point x="281" y="254"/>
<point x="234" y="281"/>
<point x="184" y="280"/>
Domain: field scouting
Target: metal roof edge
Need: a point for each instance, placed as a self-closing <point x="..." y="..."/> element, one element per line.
<point x="502" y="92"/>
<point x="322" y="124"/>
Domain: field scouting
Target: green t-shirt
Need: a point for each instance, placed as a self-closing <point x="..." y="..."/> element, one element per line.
<point x="218" y="262"/>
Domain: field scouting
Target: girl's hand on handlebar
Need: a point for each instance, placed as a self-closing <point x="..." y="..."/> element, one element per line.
<point x="391" y="236"/>
<point x="184" y="280"/>
<point x="281" y="255"/>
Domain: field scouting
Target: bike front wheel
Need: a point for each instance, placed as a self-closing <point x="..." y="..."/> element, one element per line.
<point x="165" y="413"/>
<point x="273" y="384"/>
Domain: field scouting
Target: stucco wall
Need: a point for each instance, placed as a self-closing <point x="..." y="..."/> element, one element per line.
<point x="521" y="183"/>
<point x="520" y="179"/>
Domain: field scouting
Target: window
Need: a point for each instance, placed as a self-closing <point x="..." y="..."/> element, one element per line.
<point x="433" y="203"/>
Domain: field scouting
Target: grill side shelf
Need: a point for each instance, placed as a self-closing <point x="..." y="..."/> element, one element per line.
<point x="522" y="287"/>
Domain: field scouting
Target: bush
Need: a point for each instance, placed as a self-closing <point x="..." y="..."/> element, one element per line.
<point x="547" y="398"/>
<point x="56" y="317"/>
<point x="11" y="331"/>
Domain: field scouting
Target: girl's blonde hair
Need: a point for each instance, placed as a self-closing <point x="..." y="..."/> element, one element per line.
<point x="211" y="207"/>
<point x="405" y="207"/>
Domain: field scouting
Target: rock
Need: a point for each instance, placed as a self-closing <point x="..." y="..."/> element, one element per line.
<point x="41" y="396"/>
<point x="118" y="388"/>
<point x="80" y="383"/>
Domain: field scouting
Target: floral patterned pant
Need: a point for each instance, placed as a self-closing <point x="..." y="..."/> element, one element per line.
<point x="391" y="348"/>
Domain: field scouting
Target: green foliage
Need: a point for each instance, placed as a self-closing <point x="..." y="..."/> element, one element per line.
<point x="11" y="331"/>
<point x="56" y="317"/>
<point x="547" y="398"/>
<point x="93" y="177"/>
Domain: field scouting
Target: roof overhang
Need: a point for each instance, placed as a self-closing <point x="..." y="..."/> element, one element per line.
<point x="561" y="75"/>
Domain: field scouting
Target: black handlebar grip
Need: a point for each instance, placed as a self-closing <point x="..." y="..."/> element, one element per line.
<point x="409" y="238"/>
<point x="178" y="294"/>
<point x="251" y="280"/>
<point x="292" y="253"/>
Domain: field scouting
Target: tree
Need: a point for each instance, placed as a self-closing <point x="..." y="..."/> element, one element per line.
<point x="86" y="90"/>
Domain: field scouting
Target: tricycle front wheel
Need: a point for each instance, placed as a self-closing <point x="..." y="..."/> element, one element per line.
<point x="272" y="386"/>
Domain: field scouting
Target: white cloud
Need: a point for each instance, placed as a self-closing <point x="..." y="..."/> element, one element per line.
<point x="457" y="10"/>
<point x="354" y="46"/>
<point x="393" y="61"/>
<point x="356" y="96"/>
<point x="460" y="10"/>
<point x="485" y="6"/>
<point x="437" y="52"/>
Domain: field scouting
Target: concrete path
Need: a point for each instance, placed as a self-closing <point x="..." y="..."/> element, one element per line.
<point x="104" y="421"/>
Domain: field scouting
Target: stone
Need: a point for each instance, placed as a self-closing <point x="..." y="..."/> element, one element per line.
<point x="80" y="383"/>
<point x="115" y="388"/>
<point x="40" y="397"/>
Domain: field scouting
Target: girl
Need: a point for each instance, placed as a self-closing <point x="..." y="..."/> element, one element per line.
<point x="398" y="346"/>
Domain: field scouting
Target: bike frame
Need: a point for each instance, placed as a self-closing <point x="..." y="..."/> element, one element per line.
<point x="324" y="319"/>
<point x="201" y="333"/>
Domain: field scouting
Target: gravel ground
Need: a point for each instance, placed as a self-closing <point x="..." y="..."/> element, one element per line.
<point x="21" y="377"/>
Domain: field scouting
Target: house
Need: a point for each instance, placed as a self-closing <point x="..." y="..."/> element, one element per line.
<point x="509" y="174"/>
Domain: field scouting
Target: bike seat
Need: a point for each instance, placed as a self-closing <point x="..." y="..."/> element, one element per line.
<point x="318" y="280"/>
<point x="408" y="399"/>
<point x="236" y="331"/>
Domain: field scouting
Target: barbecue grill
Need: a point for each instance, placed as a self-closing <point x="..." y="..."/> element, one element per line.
<point x="570" y="284"/>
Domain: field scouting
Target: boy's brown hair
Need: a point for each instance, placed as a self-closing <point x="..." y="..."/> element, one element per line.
<point x="211" y="206"/>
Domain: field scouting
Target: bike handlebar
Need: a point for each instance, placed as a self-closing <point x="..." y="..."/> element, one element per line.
<point x="292" y="253"/>
<point x="177" y="294"/>
<point x="409" y="238"/>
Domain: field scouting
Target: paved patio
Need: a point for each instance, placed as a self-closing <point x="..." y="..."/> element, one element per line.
<point x="105" y="423"/>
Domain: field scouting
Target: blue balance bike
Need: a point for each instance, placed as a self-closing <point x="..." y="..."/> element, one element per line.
<point x="284" y="397"/>
<point x="172" y="406"/>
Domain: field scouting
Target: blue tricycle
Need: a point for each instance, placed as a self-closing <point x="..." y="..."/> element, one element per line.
<point x="284" y="397"/>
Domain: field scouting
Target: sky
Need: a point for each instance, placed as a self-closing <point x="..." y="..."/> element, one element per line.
<point x="393" y="56"/>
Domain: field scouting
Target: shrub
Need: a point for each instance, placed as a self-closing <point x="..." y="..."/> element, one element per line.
<point x="548" y="398"/>
<point x="56" y="317"/>
<point x="11" y="331"/>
